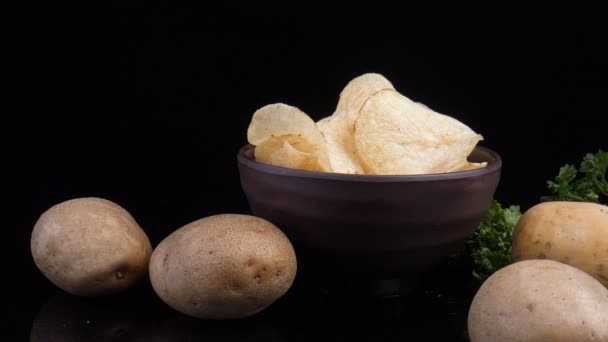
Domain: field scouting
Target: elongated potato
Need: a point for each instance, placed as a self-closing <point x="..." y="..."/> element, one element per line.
<point x="574" y="233"/>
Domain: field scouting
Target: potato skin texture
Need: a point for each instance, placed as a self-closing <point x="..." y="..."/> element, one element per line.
<point x="574" y="233"/>
<point x="539" y="300"/>
<point x="226" y="266"/>
<point x="90" y="247"/>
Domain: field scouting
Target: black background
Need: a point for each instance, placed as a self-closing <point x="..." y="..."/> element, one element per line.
<point x="148" y="105"/>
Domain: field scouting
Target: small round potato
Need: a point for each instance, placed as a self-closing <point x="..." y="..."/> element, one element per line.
<point x="223" y="267"/>
<point x="90" y="246"/>
<point x="573" y="233"/>
<point x="539" y="300"/>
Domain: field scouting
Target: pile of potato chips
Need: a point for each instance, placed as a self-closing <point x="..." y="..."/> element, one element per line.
<point x="374" y="130"/>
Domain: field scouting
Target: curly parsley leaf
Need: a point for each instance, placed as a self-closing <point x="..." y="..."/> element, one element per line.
<point x="490" y="246"/>
<point x="587" y="184"/>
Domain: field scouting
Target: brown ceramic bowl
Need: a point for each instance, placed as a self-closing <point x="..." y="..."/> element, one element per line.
<point x="368" y="226"/>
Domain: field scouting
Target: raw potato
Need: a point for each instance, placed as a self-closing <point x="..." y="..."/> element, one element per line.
<point x="574" y="233"/>
<point x="539" y="300"/>
<point x="223" y="267"/>
<point x="90" y="246"/>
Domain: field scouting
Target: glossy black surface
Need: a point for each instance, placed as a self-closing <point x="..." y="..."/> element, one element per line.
<point x="147" y="104"/>
<point x="436" y="311"/>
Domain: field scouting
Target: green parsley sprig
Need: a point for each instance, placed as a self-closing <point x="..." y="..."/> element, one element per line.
<point x="589" y="185"/>
<point x="490" y="246"/>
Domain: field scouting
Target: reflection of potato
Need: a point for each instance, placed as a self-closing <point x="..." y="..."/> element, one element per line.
<point x="223" y="267"/>
<point x="66" y="318"/>
<point x="90" y="246"/>
<point x="539" y="300"/>
<point x="177" y="327"/>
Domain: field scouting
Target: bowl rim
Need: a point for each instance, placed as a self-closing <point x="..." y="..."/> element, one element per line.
<point x="493" y="166"/>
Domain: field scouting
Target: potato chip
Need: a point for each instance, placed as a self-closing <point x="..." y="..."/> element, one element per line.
<point x="340" y="145"/>
<point x="281" y="119"/>
<point x="396" y="136"/>
<point x="465" y="165"/>
<point x="338" y="128"/>
<point x="355" y="93"/>
<point x="281" y="133"/>
<point x="289" y="151"/>
<point x="374" y="130"/>
<point x="469" y="166"/>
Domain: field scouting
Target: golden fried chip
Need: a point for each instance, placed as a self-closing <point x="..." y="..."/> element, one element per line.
<point x="469" y="166"/>
<point x="374" y="130"/>
<point x="286" y="136"/>
<point x="340" y="145"/>
<point x="290" y="151"/>
<point x="338" y="128"/>
<point x="396" y="136"/>
<point x="280" y="119"/>
<point x="357" y="91"/>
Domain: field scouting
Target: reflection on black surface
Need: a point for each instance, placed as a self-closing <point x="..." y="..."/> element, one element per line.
<point x="435" y="312"/>
<point x="425" y="315"/>
<point x="177" y="327"/>
<point x="67" y="318"/>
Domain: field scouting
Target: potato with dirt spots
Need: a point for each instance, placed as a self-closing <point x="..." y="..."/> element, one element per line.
<point x="90" y="246"/>
<point x="225" y="266"/>
<point x="539" y="300"/>
<point x="574" y="233"/>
